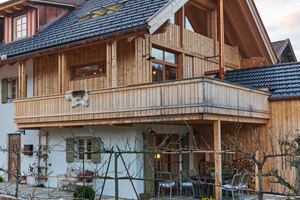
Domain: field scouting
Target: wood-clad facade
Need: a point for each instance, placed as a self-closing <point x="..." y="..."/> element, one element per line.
<point x="124" y="92"/>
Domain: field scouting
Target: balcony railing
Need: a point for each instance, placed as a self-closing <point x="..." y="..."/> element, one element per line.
<point x="138" y="102"/>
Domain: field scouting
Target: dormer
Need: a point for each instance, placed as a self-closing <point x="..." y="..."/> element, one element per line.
<point x="24" y="18"/>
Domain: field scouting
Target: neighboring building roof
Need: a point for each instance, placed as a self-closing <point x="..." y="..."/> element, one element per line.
<point x="135" y="13"/>
<point x="284" y="47"/>
<point x="283" y="79"/>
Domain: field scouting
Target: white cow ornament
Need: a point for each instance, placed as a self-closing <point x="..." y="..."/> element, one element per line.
<point x="78" y="97"/>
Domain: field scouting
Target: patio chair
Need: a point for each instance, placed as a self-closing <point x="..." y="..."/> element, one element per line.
<point x="192" y="172"/>
<point x="185" y="182"/>
<point x="226" y="171"/>
<point x="234" y="186"/>
<point x="166" y="182"/>
<point x="244" y="183"/>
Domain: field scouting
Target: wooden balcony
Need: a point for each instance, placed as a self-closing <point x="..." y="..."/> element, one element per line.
<point x="185" y="99"/>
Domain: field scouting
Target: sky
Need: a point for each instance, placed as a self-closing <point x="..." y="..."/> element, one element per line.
<point x="281" y="19"/>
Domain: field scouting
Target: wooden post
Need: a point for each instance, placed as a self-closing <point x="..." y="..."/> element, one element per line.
<point x="64" y="73"/>
<point x="114" y="71"/>
<point x="108" y="65"/>
<point x="214" y="30"/>
<point x="221" y="39"/>
<point x="180" y="21"/>
<point x="218" y="160"/>
<point x="22" y="79"/>
<point x="59" y="85"/>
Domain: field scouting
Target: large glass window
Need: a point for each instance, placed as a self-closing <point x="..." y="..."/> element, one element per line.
<point x="89" y="70"/>
<point x="20" y="27"/>
<point x="164" y="66"/>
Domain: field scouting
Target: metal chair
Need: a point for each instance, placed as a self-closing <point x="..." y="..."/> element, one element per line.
<point x="185" y="182"/>
<point x="244" y="183"/>
<point x="193" y="172"/>
<point x="234" y="186"/>
<point x="166" y="182"/>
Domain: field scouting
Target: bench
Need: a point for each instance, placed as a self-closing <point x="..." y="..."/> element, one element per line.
<point x="72" y="178"/>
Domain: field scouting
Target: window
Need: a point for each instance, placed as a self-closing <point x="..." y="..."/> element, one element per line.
<point x="164" y="66"/>
<point x="84" y="145"/>
<point x="20" y="27"/>
<point x="10" y="89"/>
<point x="89" y="70"/>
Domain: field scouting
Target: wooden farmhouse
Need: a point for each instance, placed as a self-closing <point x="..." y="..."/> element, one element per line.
<point x="139" y="74"/>
<point x="284" y="51"/>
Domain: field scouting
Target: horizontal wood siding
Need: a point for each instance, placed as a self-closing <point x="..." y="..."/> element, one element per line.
<point x="202" y="95"/>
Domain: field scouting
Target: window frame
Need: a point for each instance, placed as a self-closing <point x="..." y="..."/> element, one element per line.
<point x="15" y="26"/>
<point x="74" y="67"/>
<point x="85" y="149"/>
<point x="165" y="63"/>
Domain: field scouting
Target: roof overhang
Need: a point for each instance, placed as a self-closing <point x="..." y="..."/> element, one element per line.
<point x="262" y="31"/>
<point x="165" y="13"/>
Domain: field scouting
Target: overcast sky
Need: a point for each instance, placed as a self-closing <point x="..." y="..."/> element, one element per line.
<point x="281" y="19"/>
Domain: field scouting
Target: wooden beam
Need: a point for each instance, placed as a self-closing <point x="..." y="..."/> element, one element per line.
<point x="221" y="39"/>
<point x="248" y="23"/>
<point x="22" y="79"/>
<point x="60" y="73"/>
<point x="129" y="39"/>
<point x="108" y="64"/>
<point x="10" y="10"/>
<point x="2" y="12"/>
<point x="213" y="72"/>
<point x="163" y="28"/>
<point x="237" y="31"/>
<point x="114" y="71"/>
<point x="68" y="127"/>
<point x="12" y="63"/>
<point x="64" y="80"/>
<point x="253" y="62"/>
<point x="204" y="4"/>
<point x="180" y="21"/>
<point x="214" y="30"/>
<point x="19" y="7"/>
<point x="218" y="159"/>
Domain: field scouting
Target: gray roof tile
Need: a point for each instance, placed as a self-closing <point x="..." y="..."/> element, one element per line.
<point x="283" y="79"/>
<point x="135" y="13"/>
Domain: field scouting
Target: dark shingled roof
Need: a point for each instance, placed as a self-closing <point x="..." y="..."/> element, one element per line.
<point x="277" y="45"/>
<point x="134" y="14"/>
<point x="283" y="79"/>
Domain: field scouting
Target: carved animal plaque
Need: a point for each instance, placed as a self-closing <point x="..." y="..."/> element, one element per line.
<point x="78" y="97"/>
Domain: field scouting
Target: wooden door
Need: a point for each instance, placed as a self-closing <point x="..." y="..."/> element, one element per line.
<point x="14" y="151"/>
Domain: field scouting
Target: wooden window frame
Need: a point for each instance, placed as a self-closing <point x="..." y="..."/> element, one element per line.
<point x="85" y="149"/>
<point x="86" y="65"/>
<point x="164" y="63"/>
<point x="15" y="26"/>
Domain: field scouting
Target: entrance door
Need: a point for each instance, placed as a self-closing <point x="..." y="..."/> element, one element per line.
<point x="14" y="151"/>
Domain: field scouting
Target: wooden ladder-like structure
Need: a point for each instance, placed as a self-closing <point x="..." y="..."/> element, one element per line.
<point x="42" y="157"/>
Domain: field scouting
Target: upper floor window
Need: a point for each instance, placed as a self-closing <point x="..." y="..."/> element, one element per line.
<point x="10" y="89"/>
<point x="20" y="27"/>
<point x="84" y="146"/>
<point x="164" y="66"/>
<point x="89" y="70"/>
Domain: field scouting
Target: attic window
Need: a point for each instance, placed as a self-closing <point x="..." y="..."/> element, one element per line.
<point x="101" y="11"/>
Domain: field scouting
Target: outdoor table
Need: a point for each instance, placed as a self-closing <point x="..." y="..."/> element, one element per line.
<point x="208" y="178"/>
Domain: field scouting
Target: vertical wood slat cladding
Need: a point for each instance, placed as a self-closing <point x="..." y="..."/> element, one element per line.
<point x="166" y="98"/>
<point x="48" y="13"/>
<point x="196" y="43"/>
<point x="46" y="71"/>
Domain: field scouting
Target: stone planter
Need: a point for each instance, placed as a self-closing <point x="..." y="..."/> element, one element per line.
<point x="145" y="196"/>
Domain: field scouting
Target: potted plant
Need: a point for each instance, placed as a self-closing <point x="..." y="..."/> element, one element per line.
<point x="1" y="179"/>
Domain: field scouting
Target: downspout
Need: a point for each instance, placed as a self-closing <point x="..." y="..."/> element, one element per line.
<point x="37" y="15"/>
